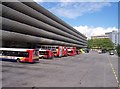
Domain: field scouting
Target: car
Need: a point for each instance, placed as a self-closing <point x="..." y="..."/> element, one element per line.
<point x="103" y="50"/>
<point x="86" y="50"/>
<point x="99" y="51"/>
<point x="111" y="52"/>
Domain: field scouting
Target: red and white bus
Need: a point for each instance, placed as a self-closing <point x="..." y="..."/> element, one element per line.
<point x="20" y="55"/>
<point x="43" y="53"/>
<point x="57" y="51"/>
<point x="64" y="51"/>
<point x="71" y="51"/>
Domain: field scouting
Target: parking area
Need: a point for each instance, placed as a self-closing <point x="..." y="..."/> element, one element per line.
<point x="84" y="70"/>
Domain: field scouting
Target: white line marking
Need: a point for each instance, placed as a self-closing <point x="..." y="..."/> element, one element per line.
<point x="116" y="77"/>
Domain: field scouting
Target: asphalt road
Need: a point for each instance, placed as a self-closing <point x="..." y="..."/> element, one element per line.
<point x="84" y="70"/>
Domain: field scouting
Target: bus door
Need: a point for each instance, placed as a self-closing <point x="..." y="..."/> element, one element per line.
<point x="36" y="56"/>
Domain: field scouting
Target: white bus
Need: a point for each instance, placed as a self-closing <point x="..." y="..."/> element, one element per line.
<point x="20" y="55"/>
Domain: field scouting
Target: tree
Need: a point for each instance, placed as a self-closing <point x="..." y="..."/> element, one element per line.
<point x="118" y="50"/>
<point x="101" y="43"/>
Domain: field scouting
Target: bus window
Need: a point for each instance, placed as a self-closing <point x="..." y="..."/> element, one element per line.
<point x="15" y="53"/>
<point x="56" y="47"/>
<point x="43" y="52"/>
<point x="23" y="54"/>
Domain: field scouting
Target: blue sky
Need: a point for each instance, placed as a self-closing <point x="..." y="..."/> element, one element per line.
<point x="93" y="18"/>
<point x="105" y="16"/>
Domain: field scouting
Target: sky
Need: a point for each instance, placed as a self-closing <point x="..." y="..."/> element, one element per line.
<point x="89" y="18"/>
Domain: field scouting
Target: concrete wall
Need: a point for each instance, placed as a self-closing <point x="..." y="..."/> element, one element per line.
<point x="30" y="23"/>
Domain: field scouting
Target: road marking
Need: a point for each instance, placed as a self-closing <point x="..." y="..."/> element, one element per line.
<point x="113" y="70"/>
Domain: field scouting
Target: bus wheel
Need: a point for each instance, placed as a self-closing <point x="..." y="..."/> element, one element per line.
<point x="18" y="60"/>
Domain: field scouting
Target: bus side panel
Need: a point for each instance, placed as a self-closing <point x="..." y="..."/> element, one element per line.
<point x="50" y="54"/>
<point x="74" y="50"/>
<point x="58" y="54"/>
<point x="72" y="53"/>
<point x="64" y="51"/>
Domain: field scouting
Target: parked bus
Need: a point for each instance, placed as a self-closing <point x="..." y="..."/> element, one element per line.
<point x="71" y="51"/>
<point x="82" y="51"/>
<point x="77" y="51"/>
<point x="57" y="51"/>
<point x="43" y="53"/>
<point x="64" y="51"/>
<point x="20" y="55"/>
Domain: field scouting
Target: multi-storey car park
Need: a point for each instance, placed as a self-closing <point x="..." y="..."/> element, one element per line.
<point x="29" y="25"/>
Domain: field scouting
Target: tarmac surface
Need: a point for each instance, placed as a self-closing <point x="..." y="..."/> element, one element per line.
<point x="84" y="70"/>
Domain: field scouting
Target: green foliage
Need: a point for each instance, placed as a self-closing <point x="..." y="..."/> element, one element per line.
<point x="101" y="43"/>
<point x="118" y="50"/>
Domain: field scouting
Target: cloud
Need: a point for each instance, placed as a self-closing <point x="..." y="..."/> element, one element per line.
<point x="94" y="31"/>
<point x="73" y="10"/>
